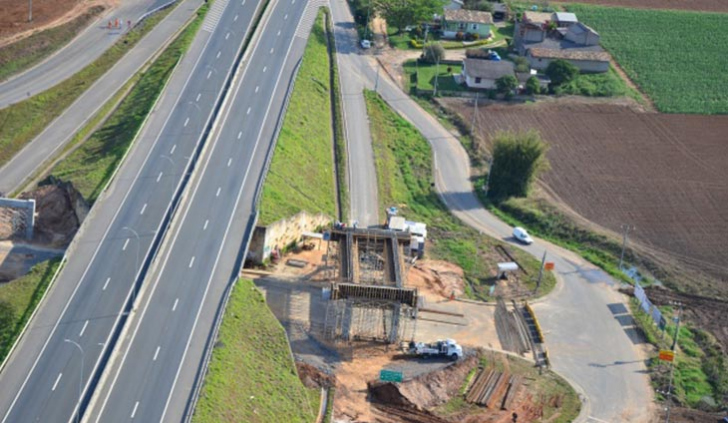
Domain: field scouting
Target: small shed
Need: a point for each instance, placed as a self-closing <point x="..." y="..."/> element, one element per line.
<point x="564" y="19"/>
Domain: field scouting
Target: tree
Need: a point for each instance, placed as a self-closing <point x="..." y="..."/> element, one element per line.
<point x="518" y="158"/>
<point x="522" y="64"/>
<point x="506" y="84"/>
<point x="400" y="13"/>
<point x="482" y="5"/>
<point x="533" y="86"/>
<point x="560" y="72"/>
<point x="434" y="52"/>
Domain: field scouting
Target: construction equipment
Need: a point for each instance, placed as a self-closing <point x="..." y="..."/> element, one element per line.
<point x="446" y="348"/>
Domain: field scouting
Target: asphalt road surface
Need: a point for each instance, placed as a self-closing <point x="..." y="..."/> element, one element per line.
<point x="362" y="174"/>
<point x="25" y="163"/>
<point x="588" y="344"/>
<point x="53" y="366"/>
<point x="82" y="50"/>
<point x="202" y="257"/>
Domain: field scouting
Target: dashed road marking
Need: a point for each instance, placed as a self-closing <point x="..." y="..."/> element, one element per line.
<point x="159" y="176"/>
<point x="106" y="284"/>
<point x="198" y="97"/>
<point x="207" y="222"/>
<point x="174" y="147"/>
<point x="217" y="194"/>
<point x="186" y="122"/>
<point x="83" y="329"/>
<point x="133" y="412"/>
<point x="174" y="307"/>
<point x="240" y="134"/>
<point x="192" y="261"/>
<point x="125" y="244"/>
<point x="156" y="353"/>
<point x="230" y="161"/>
<point x="144" y="207"/>
<point x="58" y="379"/>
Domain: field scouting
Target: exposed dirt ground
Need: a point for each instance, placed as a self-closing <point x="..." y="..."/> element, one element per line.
<point x="686" y="415"/>
<point x="436" y="279"/>
<point x="60" y="209"/>
<point x="691" y="5"/>
<point x="14" y="23"/>
<point x="17" y="259"/>
<point x="613" y="164"/>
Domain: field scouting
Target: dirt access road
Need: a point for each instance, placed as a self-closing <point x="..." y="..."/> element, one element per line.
<point x="613" y="164"/>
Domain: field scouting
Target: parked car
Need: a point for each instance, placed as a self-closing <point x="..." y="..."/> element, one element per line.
<point x="521" y="235"/>
<point x="366" y="44"/>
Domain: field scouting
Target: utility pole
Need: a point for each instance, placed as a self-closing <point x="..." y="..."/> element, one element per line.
<point x="491" y="162"/>
<point x="475" y="113"/>
<point x="624" y="242"/>
<point x="437" y="73"/>
<point x="376" y="81"/>
<point x="540" y="271"/>
<point x="672" y="363"/>
<point x="30" y="10"/>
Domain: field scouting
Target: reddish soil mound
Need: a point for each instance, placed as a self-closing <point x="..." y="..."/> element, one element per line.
<point x="692" y="5"/>
<point x="60" y="209"/>
<point x="436" y="279"/>
<point x="313" y="377"/>
<point x="664" y="174"/>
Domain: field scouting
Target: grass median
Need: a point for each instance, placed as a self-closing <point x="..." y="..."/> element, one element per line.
<point x="403" y="160"/>
<point x="90" y="166"/>
<point x="19" y="299"/>
<point x="301" y="175"/>
<point x="23" y="121"/>
<point x="252" y="376"/>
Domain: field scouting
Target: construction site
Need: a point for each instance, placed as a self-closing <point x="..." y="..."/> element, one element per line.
<point x="354" y="300"/>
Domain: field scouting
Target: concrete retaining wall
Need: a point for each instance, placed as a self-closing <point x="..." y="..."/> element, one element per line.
<point x="284" y="232"/>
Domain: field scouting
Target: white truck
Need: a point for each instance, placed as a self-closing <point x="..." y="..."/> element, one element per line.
<point x="446" y="348"/>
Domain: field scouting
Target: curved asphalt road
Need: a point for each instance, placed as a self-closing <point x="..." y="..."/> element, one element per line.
<point x="587" y="343"/>
<point x="82" y="50"/>
<point x="46" y="373"/>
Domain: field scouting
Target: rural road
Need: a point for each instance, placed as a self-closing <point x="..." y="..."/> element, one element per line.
<point x="82" y="50"/>
<point x="587" y="331"/>
<point x="362" y="173"/>
<point x="58" y="360"/>
<point x="15" y="173"/>
<point x="162" y="357"/>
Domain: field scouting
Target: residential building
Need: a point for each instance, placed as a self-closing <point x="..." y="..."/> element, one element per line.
<point x="466" y="22"/>
<point x="478" y="73"/>
<point x="587" y="61"/>
<point x="582" y="34"/>
<point x="531" y="28"/>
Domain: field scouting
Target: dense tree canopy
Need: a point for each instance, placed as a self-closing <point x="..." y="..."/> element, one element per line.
<point x="400" y="13"/>
<point x="518" y="158"/>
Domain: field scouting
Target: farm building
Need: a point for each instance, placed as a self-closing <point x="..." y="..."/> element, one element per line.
<point x="586" y="60"/>
<point x="564" y="19"/>
<point x="466" y="22"/>
<point x="478" y="73"/>
<point x="582" y="35"/>
<point x="531" y="28"/>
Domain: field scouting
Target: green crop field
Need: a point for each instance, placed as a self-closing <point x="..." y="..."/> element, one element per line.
<point x="677" y="58"/>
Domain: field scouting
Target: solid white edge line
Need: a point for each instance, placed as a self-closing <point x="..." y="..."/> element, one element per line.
<point x="232" y="215"/>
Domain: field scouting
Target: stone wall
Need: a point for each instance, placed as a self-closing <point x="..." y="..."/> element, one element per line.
<point x="282" y="233"/>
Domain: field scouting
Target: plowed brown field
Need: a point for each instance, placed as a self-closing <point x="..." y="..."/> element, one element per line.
<point x="694" y="5"/>
<point x="612" y="164"/>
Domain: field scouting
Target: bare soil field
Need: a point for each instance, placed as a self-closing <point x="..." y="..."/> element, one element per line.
<point x="614" y="164"/>
<point x="693" y="5"/>
<point x="46" y="13"/>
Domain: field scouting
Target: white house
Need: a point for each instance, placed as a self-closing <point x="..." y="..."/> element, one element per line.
<point x="478" y="73"/>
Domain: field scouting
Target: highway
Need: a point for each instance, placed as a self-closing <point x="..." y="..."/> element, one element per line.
<point x="587" y="344"/>
<point x="27" y="161"/>
<point x="86" y="47"/>
<point x="202" y="258"/>
<point x="62" y="354"/>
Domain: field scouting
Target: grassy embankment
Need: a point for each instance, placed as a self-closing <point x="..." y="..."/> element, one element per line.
<point x="23" y="121"/>
<point x="30" y="51"/>
<point x="301" y="171"/>
<point x="90" y="166"/>
<point x="542" y="387"/>
<point x="701" y="370"/>
<point x="675" y="57"/>
<point x="19" y="299"/>
<point x="252" y="377"/>
<point x="404" y="171"/>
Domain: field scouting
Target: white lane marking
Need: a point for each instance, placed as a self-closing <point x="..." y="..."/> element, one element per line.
<point x="58" y="379"/>
<point x="218" y="54"/>
<point x="235" y="18"/>
<point x="186" y="122"/>
<point x="279" y="33"/>
<point x="230" y="161"/>
<point x="208" y="74"/>
<point x="106" y="284"/>
<point x="271" y="51"/>
<point x="293" y="1"/>
<point x="156" y="353"/>
<point x="243" y="3"/>
<point x="144" y="207"/>
<point x="257" y="87"/>
<point x="174" y="307"/>
<point x="159" y="176"/>
<point x="207" y="222"/>
<point x="227" y="35"/>
<point x="248" y="112"/>
<point x="125" y="244"/>
<point x="174" y="147"/>
<point x="217" y="194"/>
<point x="83" y="329"/>
<point x="192" y="261"/>
<point x="285" y="17"/>
<point x="240" y="134"/>
<point x="133" y="412"/>
<point x="265" y="68"/>
<point x="198" y="97"/>
<point x="597" y="420"/>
